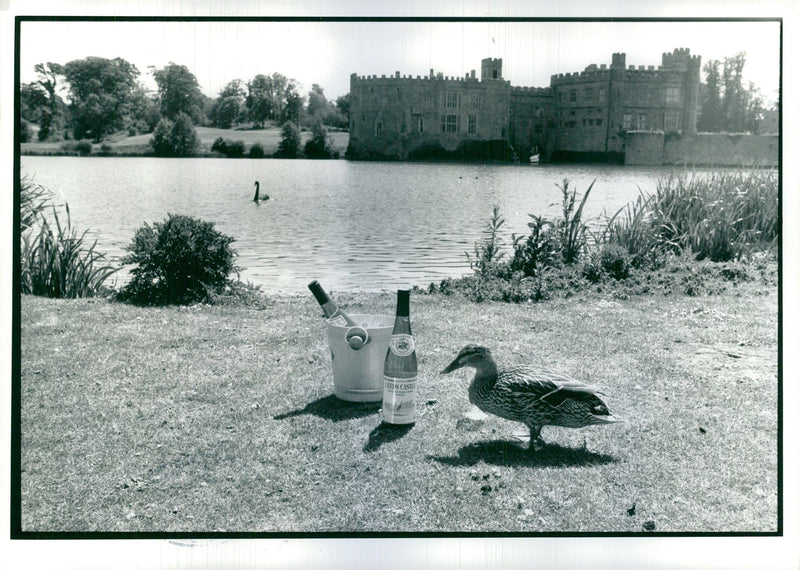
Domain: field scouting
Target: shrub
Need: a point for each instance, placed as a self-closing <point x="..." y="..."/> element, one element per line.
<point x="540" y="249"/>
<point x="178" y="261"/>
<point x="608" y="260"/>
<point x="487" y="251"/>
<point x="106" y="149"/>
<point x="82" y="147"/>
<point x="233" y="149"/>
<point x="256" y="151"/>
<point x="55" y="262"/>
<point x="177" y="138"/>
<point x="319" y="145"/>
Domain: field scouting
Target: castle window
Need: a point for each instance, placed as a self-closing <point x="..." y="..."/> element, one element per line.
<point x="451" y="123"/>
<point x="573" y="96"/>
<point x="494" y="74"/>
<point x="627" y="119"/>
<point x="420" y="125"/>
<point x="671" y="121"/>
<point x="473" y="124"/>
<point x="378" y="128"/>
<point x="641" y="123"/>
<point x="601" y="95"/>
<point x="476" y="101"/>
<point x="673" y="94"/>
<point x="588" y="95"/>
<point x="451" y="100"/>
<point x="598" y="122"/>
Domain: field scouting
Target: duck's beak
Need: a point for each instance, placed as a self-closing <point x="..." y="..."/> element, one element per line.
<point x="455" y="365"/>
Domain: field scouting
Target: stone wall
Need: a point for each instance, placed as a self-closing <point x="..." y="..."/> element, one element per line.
<point x="705" y="149"/>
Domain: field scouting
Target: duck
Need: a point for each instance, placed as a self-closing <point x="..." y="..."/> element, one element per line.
<point x="256" y="198"/>
<point x="536" y="397"/>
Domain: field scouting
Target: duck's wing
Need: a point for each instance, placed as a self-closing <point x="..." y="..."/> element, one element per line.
<point x="546" y="385"/>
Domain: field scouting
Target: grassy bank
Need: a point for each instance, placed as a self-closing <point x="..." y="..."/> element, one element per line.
<point x="214" y="418"/>
<point x="139" y="145"/>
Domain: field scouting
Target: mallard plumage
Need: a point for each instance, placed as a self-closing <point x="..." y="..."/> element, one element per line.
<point x="534" y="396"/>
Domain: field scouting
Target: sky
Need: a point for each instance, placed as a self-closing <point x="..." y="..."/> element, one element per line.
<point x="327" y="53"/>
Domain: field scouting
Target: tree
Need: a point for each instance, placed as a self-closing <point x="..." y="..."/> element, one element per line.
<point x="317" y="103"/>
<point x="294" y="104"/>
<point x="289" y="147"/>
<point x="178" y="92"/>
<point x="101" y="93"/>
<point x="710" y="113"/>
<point x="175" y="138"/>
<point x="728" y="105"/>
<point x="319" y="145"/>
<point x="227" y="107"/>
<point x="266" y="97"/>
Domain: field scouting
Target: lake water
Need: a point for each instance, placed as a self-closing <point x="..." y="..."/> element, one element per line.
<point x="352" y="225"/>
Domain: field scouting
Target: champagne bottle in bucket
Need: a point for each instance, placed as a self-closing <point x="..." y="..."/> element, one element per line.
<point x="356" y="335"/>
<point x="400" y="368"/>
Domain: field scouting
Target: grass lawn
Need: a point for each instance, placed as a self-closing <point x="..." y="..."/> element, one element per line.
<point x="215" y="418"/>
<point x="120" y="143"/>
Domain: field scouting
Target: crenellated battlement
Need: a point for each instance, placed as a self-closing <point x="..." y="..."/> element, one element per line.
<point x="584" y="111"/>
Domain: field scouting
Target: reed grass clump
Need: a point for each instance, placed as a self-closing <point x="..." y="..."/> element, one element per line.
<point x="723" y="216"/>
<point x="57" y="262"/>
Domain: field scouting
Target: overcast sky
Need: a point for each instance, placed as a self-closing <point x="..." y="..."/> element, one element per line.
<point x="328" y="52"/>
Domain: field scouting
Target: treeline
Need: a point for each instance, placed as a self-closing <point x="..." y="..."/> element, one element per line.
<point x="726" y="103"/>
<point x="106" y="96"/>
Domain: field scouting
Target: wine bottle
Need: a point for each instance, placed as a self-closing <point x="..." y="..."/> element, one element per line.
<point x="334" y="314"/>
<point x="400" y="368"/>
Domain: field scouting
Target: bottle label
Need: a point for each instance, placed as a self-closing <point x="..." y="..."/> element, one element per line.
<point x="401" y="344"/>
<point x="399" y="400"/>
<point x="338" y="321"/>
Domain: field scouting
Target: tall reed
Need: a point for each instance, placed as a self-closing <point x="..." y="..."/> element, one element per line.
<point x="57" y="262"/>
<point x="722" y="216"/>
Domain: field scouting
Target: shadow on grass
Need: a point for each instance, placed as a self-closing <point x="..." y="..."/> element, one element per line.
<point x="511" y="454"/>
<point x="334" y="409"/>
<point x="385" y="433"/>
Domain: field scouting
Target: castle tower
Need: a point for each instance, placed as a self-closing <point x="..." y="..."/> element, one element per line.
<point x="491" y="68"/>
<point x="618" y="61"/>
<point x="692" y="101"/>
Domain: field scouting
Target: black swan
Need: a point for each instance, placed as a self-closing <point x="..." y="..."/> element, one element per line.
<point x="256" y="198"/>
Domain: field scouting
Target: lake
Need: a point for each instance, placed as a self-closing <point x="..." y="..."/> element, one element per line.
<point x="352" y="225"/>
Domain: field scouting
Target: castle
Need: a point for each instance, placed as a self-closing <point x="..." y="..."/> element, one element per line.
<point x="580" y="115"/>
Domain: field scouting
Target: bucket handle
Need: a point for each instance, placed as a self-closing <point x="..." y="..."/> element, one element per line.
<point x="356" y="337"/>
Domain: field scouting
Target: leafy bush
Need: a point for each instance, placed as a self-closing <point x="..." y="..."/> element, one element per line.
<point x="55" y="261"/>
<point x="319" y="145"/>
<point x="82" y="147"/>
<point x="609" y="260"/>
<point x="488" y="251"/>
<point x="539" y="250"/>
<point x="178" y="261"/>
<point x="178" y="138"/>
<point x="257" y="151"/>
<point x="232" y="149"/>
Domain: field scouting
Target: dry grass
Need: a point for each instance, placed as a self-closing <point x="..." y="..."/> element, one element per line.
<point x="211" y="419"/>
